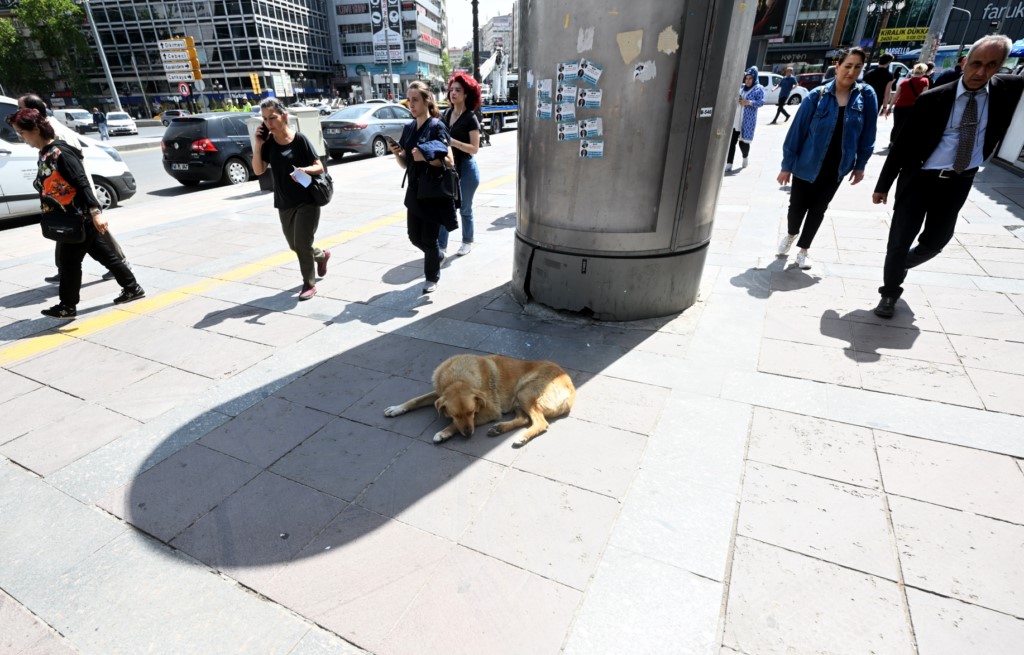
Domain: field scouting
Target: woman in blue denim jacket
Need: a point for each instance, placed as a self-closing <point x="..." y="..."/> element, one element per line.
<point x="832" y="135"/>
<point x="425" y="142"/>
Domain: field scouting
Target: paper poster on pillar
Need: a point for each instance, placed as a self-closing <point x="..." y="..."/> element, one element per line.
<point x="565" y="93"/>
<point x="591" y="149"/>
<point x="589" y="98"/>
<point x="544" y="109"/>
<point x="591" y="128"/>
<point x="544" y="89"/>
<point x="568" y="132"/>
<point x="565" y="111"/>
<point x="590" y="72"/>
<point x="568" y="71"/>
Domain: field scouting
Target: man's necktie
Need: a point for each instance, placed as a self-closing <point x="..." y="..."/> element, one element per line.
<point x="968" y="130"/>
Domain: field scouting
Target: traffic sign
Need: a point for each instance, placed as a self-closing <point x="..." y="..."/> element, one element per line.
<point x="177" y="44"/>
<point x="183" y="89"/>
<point x="184" y="77"/>
<point x="200" y="85"/>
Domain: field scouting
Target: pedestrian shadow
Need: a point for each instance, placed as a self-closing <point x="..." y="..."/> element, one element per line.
<point x="866" y="333"/>
<point x="775" y="277"/>
<point x="407" y="272"/>
<point x="503" y="222"/>
<point x="307" y="462"/>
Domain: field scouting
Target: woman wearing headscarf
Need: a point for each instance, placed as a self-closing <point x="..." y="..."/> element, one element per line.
<point x="833" y="135"/>
<point x="751" y="98"/>
<point x="424" y="143"/>
<point x="65" y="188"/>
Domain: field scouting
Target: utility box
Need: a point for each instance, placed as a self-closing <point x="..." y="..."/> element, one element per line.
<point x="626" y="113"/>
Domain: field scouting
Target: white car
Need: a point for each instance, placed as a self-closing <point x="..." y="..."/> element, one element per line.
<point x="79" y="120"/>
<point x="119" y="122"/>
<point x="771" y="95"/>
<point x="19" y="163"/>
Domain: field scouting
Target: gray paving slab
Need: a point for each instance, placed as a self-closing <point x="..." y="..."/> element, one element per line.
<point x="622" y="404"/>
<point x="25" y="634"/>
<point x="342" y="459"/>
<point x="434" y="489"/>
<point x="1001" y="392"/>
<point x="783" y="602"/>
<point x="550" y="528"/>
<point x="169" y="497"/>
<point x="946" y="626"/>
<point x="640" y="605"/>
<point x="332" y="387"/>
<point x="34" y="409"/>
<point x="369" y="409"/>
<point x="962" y="555"/>
<point x="148" y="398"/>
<point x="265" y="432"/>
<point x="259" y="527"/>
<point x="13" y="385"/>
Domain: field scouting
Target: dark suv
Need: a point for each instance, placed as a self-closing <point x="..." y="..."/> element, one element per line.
<point x="208" y="148"/>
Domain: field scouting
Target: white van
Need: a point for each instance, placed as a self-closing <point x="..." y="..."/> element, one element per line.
<point x="19" y="162"/>
<point x="79" y="120"/>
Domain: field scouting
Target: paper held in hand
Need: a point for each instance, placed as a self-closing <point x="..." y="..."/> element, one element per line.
<point x="302" y="177"/>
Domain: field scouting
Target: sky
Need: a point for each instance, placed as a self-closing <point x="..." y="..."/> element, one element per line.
<point x="460" y="18"/>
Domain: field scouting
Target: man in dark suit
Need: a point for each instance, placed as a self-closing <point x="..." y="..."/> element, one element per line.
<point x="951" y="131"/>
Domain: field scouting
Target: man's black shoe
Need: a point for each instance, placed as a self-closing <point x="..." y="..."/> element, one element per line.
<point x="60" y="311"/>
<point x="886" y="307"/>
<point x="129" y="294"/>
<point x="53" y="279"/>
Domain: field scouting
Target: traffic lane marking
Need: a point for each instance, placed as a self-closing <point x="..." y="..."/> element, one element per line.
<point x="80" y="328"/>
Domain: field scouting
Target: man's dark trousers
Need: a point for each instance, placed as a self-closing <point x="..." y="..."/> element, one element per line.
<point x="923" y="197"/>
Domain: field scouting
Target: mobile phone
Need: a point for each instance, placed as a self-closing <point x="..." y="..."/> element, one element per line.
<point x="391" y="142"/>
<point x="263" y="132"/>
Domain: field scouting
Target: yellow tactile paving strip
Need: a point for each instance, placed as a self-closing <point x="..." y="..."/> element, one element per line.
<point x="40" y="343"/>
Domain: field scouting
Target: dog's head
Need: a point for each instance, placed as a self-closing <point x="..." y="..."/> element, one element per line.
<point x="461" y="405"/>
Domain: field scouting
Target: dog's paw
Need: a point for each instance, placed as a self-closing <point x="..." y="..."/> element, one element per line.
<point x="493" y="432"/>
<point x="393" y="411"/>
<point x="441" y="436"/>
<point x="520" y="443"/>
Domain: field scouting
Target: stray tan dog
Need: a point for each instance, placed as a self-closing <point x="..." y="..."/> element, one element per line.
<point x="473" y="389"/>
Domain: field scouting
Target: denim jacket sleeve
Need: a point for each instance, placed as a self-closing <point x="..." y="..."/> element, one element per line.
<point x="434" y="141"/>
<point x="866" y="145"/>
<point x="797" y="135"/>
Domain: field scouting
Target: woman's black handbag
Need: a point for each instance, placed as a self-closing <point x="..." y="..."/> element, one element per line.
<point x="63" y="227"/>
<point x="433" y="183"/>
<point x="322" y="188"/>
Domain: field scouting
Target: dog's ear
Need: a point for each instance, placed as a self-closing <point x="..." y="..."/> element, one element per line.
<point x="479" y="401"/>
<point x="442" y="411"/>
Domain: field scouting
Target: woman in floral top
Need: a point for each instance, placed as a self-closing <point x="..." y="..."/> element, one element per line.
<point x="64" y="187"/>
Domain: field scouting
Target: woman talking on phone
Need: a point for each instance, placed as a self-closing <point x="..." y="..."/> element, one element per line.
<point x="425" y="143"/>
<point x="292" y="159"/>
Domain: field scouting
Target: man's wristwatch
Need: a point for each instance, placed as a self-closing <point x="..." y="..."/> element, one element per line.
<point x="95" y="211"/>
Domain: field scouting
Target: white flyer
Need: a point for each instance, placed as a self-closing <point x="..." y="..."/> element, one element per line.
<point x="590" y="72"/>
<point x="544" y="89"/>
<point x="568" y="71"/>
<point x="565" y="111"/>
<point x="543" y="109"/>
<point x="589" y="98"/>
<point x="591" y="149"/>
<point x="565" y="93"/>
<point x="591" y="128"/>
<point x="568" y="132"/>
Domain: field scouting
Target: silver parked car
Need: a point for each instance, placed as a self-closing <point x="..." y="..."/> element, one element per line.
<point x="361" y="128"/>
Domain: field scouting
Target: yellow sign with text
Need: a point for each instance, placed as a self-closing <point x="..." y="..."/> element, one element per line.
<point x="901" y="34"/>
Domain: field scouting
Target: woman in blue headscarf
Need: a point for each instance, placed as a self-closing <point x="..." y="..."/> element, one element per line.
<point x="750" y="99"/>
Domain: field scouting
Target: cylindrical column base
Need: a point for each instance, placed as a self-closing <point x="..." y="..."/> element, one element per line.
<point x="609" y="288"/>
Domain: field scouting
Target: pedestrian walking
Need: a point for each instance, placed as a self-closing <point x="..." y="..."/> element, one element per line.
<point x="951" y="74"/>
<point x="69" y="136"/>
<point x="751" y="98"/>
<point x="832" y="136"/>
<point x="464" y="130"/>
<point x="100" y="119"/>
<point x="952" y="130"/>
<point x="65" y="188"/>
<point x="907" y="94"/>
<point x="292" y="159"/>
<point x="784" y="87"/>
<point x="880" y="78"/>
<point x="424" y="143"/>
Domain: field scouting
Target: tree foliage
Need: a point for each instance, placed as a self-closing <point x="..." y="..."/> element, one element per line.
<point x="55" y="28"/>
<point x="446" y="66"/>
<point x="467" y="61"/>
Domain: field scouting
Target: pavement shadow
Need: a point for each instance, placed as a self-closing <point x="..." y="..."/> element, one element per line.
<point x="775" y="277"/>
<point x="307" y="461"/>
<point x="406" y="273"/>
<point x="505" y="222"/>
<point x="866" y="334"/>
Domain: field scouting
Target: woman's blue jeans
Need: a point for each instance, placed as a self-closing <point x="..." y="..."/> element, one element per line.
<point x="469" y="180"/>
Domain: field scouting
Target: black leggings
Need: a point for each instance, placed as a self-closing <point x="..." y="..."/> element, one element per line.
<point x="423" y="232"/>
<point x="744" y="147"/>
<point x="97" y="247"/>
<point x="781" y="110"/>
<point x="810" y="199"/>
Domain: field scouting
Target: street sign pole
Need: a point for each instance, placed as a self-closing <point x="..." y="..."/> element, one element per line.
<point x="142" y="89"/>
<point x="103" y="55"/>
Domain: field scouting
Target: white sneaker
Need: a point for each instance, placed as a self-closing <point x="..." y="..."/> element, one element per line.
<point x="465" y="249"/>
<point x="745" y="162"/>
<point x="430" y="287"/>
<point x="787" y="243"/>
<point x="728" y="167"/>
<point x="803" y="261"/>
